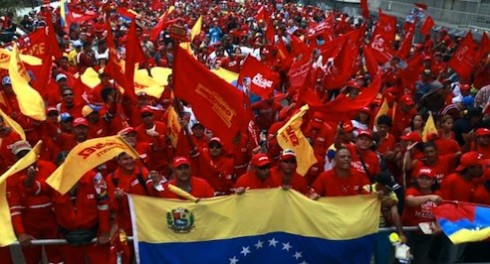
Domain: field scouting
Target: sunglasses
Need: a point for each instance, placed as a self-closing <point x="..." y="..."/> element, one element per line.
<point x="214" y="146"/>
<point x="265" y="167"/>
<point x="69" y="94"/>
<point x="292" y="161"/>
<point x="146" y="115"/>
<point x="53" y="114"/>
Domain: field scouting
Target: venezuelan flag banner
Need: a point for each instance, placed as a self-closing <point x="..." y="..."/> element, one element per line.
<point x="288" y="228"/>
<point x="463" y="222"/>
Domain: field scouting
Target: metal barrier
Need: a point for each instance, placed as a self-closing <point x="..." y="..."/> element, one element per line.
<point x="448" y="16"/>
<point x="42" y="242"/>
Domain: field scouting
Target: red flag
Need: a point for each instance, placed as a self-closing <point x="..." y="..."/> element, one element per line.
<point x="270" y="32"/>
<point x="298" y="46"/>
<point x="261" y="14"/>
<point x="307" y="94"/>
<point x="483" y="48"/>
<point x="125" y="12"/>
<point x="407" y="42"/>
<point x="365" y="9"/>
<point x="427" y="26"/>
<point x="160" y="25"/>
<point x="371" y="63"/>
<point x="34" y="44"/>
<point x="462" y="60"/>
<point x="299" y="70"/>
<point x="54" y="47"/>
<point x="385" y="27"/>
<point x="413" y="70"/>
<point x="217" y="104"/>
<point x="74" y="17"/>
<point x="134" y="53"/>
<point x="262" y="79"/>
<point x="114" y="67"/>
<point x="345" y="63"/>
<point x="344" y="106"/>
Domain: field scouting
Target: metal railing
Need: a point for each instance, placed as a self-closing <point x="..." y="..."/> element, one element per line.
<point x="42" y="242"/>
<point x="448" y="16"/>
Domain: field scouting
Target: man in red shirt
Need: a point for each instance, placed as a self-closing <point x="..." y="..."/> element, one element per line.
<point x="363" y="158"/>
<point x="342" y="180"/>
<point x="7" y="139"/>
<point x="403" y="114"/>
<point x="258" y="176"/>
<point x="441" y="166"/>
<point x="482" y="192"/>
<point x="459" y="186"/>
<point x="285" y="173"/>
<point x="482" y="142"/>
<point x="90" y="215"/>
<point x="29" y="199"/>
<point x="216" y="168"/>
<point x="184" y="179"/>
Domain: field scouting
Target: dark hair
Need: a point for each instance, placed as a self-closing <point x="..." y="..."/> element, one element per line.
<point x="60" y="158"/>
<point x="429" y="144"/>
<point x="384" y="120"/>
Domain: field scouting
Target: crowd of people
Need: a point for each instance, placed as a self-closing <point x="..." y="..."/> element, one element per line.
<point x="388" y="153"/>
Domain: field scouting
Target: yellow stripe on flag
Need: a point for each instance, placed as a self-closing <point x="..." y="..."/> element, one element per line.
<point x="31" y="103"/>
<point x="174" y="125"/>
<point x="7" y="234"/>
<point x="429" y="128"/>
<point x="86" y="156"/>
<point x="290" y="137"/>
<point x="14" y="125"/>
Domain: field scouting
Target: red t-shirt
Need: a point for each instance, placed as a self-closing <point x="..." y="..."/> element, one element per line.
<point x="481" y="195"/>
<point x="199" y="188"/>
<point x="329" y="184"/>
<point x="297" y="183"/>
<point x="252" y="181"/>
<point x="447" y="146"/>
<point x="412" y="216"/>
<point x="443" y="167"/>
<point x="370" y="160"/>
<point x="386" y="144"/>
<point x="454" y="187"/>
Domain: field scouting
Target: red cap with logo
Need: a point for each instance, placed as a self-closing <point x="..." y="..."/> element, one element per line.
<point x="260" y="159"/>
<point x="482" y="132"/>
<point x="366" y="133"/>
<point x="412" y="137"/>
<point x="425" y="171"/>
<point x="407" y="100"/>
<point x="287" y="154"/>
<point x="178" y="161"/>
<point x="469" y="159"/>
<point x="80" y="121"/>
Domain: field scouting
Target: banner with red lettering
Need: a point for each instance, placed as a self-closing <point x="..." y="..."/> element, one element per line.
<point x="86" y="156"/>
<point x="385" y="27"/>
<point x="262" y="79"/>
<point x="217" y="104"/>
<point x="463" y="58"/>
<point x="299" y="70"/>
<point x="34" y="43"/>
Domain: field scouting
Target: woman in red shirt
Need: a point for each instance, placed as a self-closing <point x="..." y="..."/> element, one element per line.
<point x="420" y="199"/>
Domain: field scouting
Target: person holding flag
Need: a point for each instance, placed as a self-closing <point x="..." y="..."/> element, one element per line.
<point x="29" y="199"/>
<point x="286" y="174"/>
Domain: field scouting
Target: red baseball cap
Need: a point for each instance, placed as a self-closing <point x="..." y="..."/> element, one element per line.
<point x="348" y="127"/>
<point x="407" y="100"/>
<point x="260" y="159"/>
<point x="287" y="154"/>
<point x="425" y="171"/>
<point x="464" y="87"/>
<point x="80" y="121"/>
<point x="482" y="132"/>
<point x="366" y="133"/>
<point x="412" y="137"/>
<point x="52" y="109"/>
<point x="217" y="140"/>
<point x="366" y="109"/>
<point x="179" y="161"/>
<point x="468" y="159"/>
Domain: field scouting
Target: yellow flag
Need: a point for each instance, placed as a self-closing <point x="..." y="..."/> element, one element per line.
<point x="161" y="72"/>
<point x="144" y="83"/>
<point x="290" y="137"/>
<point x="429" y="128"/>
<point x="86" y="156"/>
<point x="31" y="103"/>
<point x="174" y="125"/>
<point x="226" y="75"/>
<point x="14" y="125"/>
<point x="383" y="110"/>
<point x="5" y="58"/>
<point x="7" y="234"/>
<point x="196" y="29"/>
